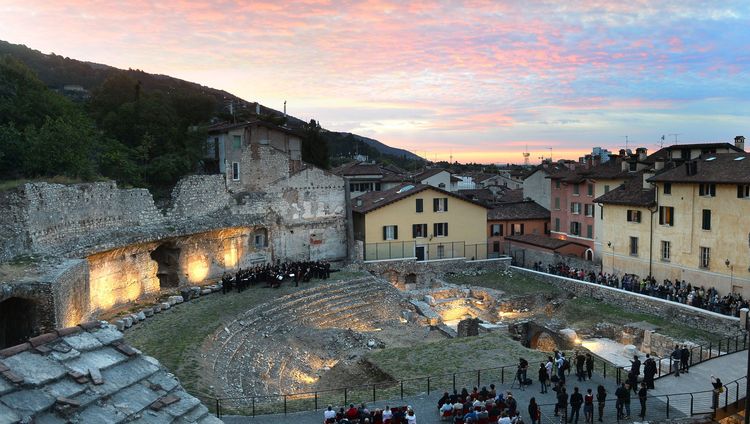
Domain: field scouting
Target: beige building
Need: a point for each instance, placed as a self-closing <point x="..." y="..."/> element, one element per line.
<point x="693" y="225"/>
<point x="419" y="221"/>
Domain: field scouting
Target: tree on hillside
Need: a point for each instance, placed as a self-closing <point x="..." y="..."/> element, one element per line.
<point x="314" y="146"/>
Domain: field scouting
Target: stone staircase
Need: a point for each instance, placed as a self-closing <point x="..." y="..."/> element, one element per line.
<point x="282" y="346"/>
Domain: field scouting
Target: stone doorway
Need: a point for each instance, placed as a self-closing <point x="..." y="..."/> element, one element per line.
<point x="167" y="257"/>
<point x="18" y="321"/>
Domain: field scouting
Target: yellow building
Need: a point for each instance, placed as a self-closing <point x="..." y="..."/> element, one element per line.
<point x="694" y="224"/>
<point x="419" y="221"/>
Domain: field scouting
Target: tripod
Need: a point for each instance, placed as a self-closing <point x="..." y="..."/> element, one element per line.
<point x="517" y="378"/>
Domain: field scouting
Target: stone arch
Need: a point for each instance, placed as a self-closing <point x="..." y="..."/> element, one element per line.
<point x="588" y="255"/>
<point x="410" y="278"/>
<point x="19" y="320"/>
<point x="167" y="257"/>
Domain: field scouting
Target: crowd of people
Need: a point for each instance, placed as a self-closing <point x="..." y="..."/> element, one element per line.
<point x="275" y="275"/>
<point x="674" y="291"/>
<point x="363" y="415"/>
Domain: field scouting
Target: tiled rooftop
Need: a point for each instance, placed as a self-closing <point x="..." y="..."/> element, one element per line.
<point x="87" y="374"/>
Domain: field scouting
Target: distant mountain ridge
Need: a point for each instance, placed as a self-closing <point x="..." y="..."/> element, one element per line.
<point x="57" y="72"/>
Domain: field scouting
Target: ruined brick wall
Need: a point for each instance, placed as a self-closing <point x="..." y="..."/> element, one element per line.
<point x="199" y="195"/>
<point x="57" y="214"/>
<point x="14" y="239"/>
<point x="260" y="178"/>
<point x="423" y="274"/>
<point x="526" y="257"/>
<point x="70" y="288"/>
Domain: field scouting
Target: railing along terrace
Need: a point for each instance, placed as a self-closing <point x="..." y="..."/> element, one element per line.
<point x="428" y="251"/>
<point x="663" y="407"/>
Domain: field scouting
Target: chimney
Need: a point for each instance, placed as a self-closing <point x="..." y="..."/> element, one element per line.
<point x="691" y="167"/>
<point x="624" y="166"/>
<point x="659" y="164"/>
<point x="359" y="202"/>
<point x="622" y="153"/>
<point x="596" y="160"/>
<point x="257" y="108"/>
<point x="641" y="152"/>
<point x="739" y="142"/>
<point x="646" y="176"/>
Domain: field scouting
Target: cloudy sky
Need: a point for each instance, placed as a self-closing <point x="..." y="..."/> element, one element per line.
<point x="480" y="80"/>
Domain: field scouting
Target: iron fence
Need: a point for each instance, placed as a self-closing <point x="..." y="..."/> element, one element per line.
<point x="662" y="407"/>
<point x="698" y="354"/>
<point x="429" y="251"/>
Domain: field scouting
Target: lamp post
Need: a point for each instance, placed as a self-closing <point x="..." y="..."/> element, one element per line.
<point x="612" y="246"/>
<point x="731" y="274"/>
<point x="746" y="313"/>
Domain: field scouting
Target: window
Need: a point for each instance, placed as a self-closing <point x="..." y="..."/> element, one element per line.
<point x="576" y="189"/>
<point x="743" y="191"/>
<point x="516" y="229"/>
<point x="590" y="190"/>
<point x="419" y="230"/>
<point x="601" y="212"/>
<point x="667" y="188"/>
<point x="390" y="232"/>
<point x="634" y="216"/>
<point x="440" y="229"/>
<point x="441" y="185"/>
<point x="237" y="142"/>
<point x="235" y="171"/>
<point x="666" y="215"/>
<point x="633" y="166"/>
<point x="589" y="210"/>
<point x="557" y="224"/>
<point x="420" y="205"/>
<point x="606" y="189"/>
<point x="707" y="190"/>
<point x="706" y="223"/>
<point x="440" y="251"/>
<point x="497" y="229"/>
<point x="666" y="248"/>
<point x="496" y="247"/>
<point x="633" y="246"/>
<point x="590" y="231"/>
<point x="557" y="203"/>
<point x="575" y="228"/>
<point x="259" y="241"/>
<point x="705" y="259"/>
<point x="377" y="186"/>
<point x="557" y="183"/>
<point x="575" y="208"/>
<point x="440" y="204"/>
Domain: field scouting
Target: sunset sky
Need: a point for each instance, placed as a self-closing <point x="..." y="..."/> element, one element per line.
<point x="480" y="79"/>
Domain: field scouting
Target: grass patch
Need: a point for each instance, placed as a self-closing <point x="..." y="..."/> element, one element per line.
<point x="447" y="356"/>
<point x="585" y="312"/>
<point x="513" y="283"/>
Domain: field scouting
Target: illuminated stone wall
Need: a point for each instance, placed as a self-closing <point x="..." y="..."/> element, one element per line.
<point x="122" y="275"/>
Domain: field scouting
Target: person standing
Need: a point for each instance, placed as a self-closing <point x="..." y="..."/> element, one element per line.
<point x="676" y="356"/>
<point x="685" y="359"/>
<point x="588" y="407"/>
<point x="562" y="404"/>
<point x="589" y="365"/>
<point x="534" y="413"/>
<point x="543" y="377"/>
<point x="576" y="400"/>
<point x="642" y="394"/>
<point x="621" y="393"/>
<point x="601" y="399"/>
<point x="580" y="366"/>
<point x="649" y="371"/>
<point x="718" y="389"/>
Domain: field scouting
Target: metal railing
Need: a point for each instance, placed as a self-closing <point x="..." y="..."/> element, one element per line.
<point x="698" y="354"/>
<point x="428" y="251"/>
<point x="661" y="407"/>
<point x="374" y="392"/>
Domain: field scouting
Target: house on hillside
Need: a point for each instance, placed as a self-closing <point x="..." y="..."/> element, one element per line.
<point x="419" y="221"/>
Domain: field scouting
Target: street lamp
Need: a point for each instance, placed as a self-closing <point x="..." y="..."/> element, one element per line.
<point x="612" y="246"/>
<point x="731" y="274"/>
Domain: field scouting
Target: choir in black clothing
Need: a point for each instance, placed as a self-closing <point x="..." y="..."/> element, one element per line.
<point x="274" y="275"/>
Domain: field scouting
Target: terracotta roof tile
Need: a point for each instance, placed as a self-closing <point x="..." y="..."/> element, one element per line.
<point x="516" y="211"/>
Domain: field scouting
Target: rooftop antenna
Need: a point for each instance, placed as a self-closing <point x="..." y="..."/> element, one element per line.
<point x="550" y="153"/>
<point x="675" y="137"/>
<point x="627" y="142"/>
<point x="451" y="162"/>
<point x="661" y="142"/>
<point x="526" y="155"/>
<point x="284" y="108"/>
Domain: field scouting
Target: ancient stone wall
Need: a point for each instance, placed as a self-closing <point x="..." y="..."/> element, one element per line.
<point x="70" y="288"/>
<point x="411" y="274"/>
<point x="15" y="239"/>
<point x="635" y="302"/>
<point x="526" y="257"/>
<point x="199" y="195"/>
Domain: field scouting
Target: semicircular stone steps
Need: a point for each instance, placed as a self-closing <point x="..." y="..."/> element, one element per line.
<point x="263" y="350"/>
